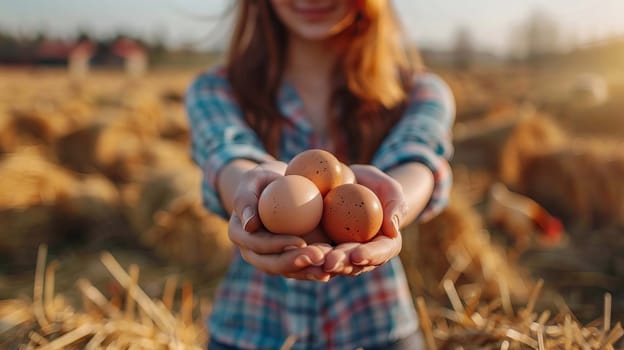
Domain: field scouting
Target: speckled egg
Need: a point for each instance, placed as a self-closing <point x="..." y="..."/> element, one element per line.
<point x="319" y="166"/>
<point x="290" y="205"/>
<point x="351" y="213"/>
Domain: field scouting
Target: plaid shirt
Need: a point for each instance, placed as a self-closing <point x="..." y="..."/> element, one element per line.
<point x="253" y="310"/>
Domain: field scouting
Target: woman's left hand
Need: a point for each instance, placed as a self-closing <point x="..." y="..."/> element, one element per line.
<point x="355" y="258"/>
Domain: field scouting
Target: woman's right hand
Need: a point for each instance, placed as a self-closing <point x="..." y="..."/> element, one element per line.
<point x="275" y="254"/>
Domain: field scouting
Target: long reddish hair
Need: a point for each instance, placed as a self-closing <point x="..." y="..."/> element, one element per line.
<point x="371" y="80"/>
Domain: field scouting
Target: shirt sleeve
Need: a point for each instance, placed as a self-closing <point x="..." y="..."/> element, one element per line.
<point x="424" y="135"/>
<point x="218" y="133"/>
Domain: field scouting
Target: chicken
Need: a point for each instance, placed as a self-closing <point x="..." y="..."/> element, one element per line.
<point x="522" y="218"/>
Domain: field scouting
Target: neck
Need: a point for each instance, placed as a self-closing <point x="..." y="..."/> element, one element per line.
<point x="308" y="60"/>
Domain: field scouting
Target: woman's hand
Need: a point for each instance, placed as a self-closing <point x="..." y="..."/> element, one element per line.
<point x="355" y="258"/>
<point x="275" y="254"/>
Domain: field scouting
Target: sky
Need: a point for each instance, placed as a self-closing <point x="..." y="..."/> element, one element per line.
<point x="429" y="23"/>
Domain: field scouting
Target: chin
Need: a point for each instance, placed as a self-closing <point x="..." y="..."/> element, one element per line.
<point x="314" y="34"/>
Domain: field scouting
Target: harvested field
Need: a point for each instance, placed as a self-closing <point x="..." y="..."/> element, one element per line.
<point x="99" y="173"/>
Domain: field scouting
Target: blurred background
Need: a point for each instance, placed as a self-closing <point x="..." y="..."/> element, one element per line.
<point x="94" y="157"/>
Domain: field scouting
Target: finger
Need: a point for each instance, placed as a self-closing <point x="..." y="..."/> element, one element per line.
<point x="364" y="269"/>
<point x="311" y="273"/>
<point x="390" y="194"/>
<point x="324" y="248"/>
<point x="377" y="252"/>
<point x="262" y="242"/>
<point x="358" y="270"/>
<point x="276" y="166"/>
<point x="337" y="260"/>
<point x="314" y="273"/>
<point x="352" y="271"/>
<point x="365" y="173"/>
<point x="247" y="195"/>
<point x="393" y="211"/>
<point x="355" y="270"/>
<point x="285" y="263"/>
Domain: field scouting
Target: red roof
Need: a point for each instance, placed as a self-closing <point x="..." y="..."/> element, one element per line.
<point x="126" y="48"/>
<point x="60" y="49"/>
<point x="54" y="49"/>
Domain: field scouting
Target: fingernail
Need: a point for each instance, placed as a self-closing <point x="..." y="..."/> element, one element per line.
<point x="303" y="261"/>
<point x="290" y="247"/>
<point x="248" y="214"/>
<point x="320" y="263"/>
<point x="313" y="277"/>
<point x="362" y="262"/>
<point x="336" y="267"/>
<point x="395" y="224"/>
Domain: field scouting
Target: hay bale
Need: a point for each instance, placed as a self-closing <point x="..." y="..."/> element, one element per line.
<point x="579" y="182"/>
<point x="77" y="110"/>
<point x="167" y="173"/>
<point x="144" y="116"/>
<point x="534" y="134"/>
<point x="157" y="189"/>
<point x="119" y="148"/>
<point x="44" y="203"/>
<point x="93" y="196"/>
<point x="604" y="120"/>
<point x="107" y="147"/>
<point x="23" y="229"/>
<point x="40" y="121"/>
<point x="119" y="152"/>
<point x="152" y="118"/>
<point x="29" y="127"/>
<point x="29" y="179"/>
<point x="169" y="155"/>
<point x="29" y="212"/>
<point x="166" y="212"/>
<point x="455" y="246"/>
<point x="76" y="149"/>
<point x="477" y="143"/>
<point x="176" y="127"/>
<point x="172" y="95"/>
<point x="186" y="233"/>
<point x="93" y="210"/>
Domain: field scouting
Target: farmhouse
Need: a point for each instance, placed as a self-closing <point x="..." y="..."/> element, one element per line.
<point x="79" y="55"/>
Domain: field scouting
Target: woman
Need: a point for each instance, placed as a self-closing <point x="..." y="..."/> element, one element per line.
<point x="329" y="74"/>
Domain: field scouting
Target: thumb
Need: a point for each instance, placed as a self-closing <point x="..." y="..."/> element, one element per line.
<point x="247" y="196"/>
<point x="394" y="211"/>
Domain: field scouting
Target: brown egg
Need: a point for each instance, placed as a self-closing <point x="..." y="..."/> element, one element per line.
<point x="351" y="213"/>
<point x="348" y="177"/>
<point x="290" y="205"/>
<point x="321" y="167"/>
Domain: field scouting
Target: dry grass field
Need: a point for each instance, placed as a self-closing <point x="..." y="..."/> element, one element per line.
<point x="97" y="173"/>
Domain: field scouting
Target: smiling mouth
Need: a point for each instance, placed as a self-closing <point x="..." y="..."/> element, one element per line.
<point x="314" y="12"/>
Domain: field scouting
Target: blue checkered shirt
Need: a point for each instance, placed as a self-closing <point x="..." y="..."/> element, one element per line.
<point x="253" y="310"/>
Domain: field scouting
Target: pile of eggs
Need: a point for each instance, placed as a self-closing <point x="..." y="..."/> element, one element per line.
<point x="319" y="189"/>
